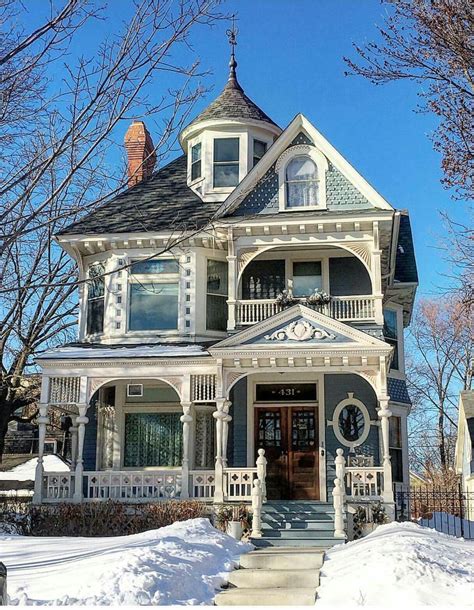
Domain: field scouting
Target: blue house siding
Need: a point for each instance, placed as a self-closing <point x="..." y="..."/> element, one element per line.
<point x="336" y="388"/>
<point x="90" y="439"/>
<point x="348" y="276"/>
<point x="237" y="443"/>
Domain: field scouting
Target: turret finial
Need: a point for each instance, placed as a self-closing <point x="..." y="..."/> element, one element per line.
<point x="232" y="36"/>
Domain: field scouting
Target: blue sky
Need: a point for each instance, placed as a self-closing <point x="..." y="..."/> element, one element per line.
<point x="290" y="60"/>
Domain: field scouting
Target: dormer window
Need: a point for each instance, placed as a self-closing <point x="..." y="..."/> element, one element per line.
<point x="302" y="183"/>
<point x="196" y="169"/>
<point x="259" y="149"/>
<point x="226" y="162"/>
<point x="302" y="178"/>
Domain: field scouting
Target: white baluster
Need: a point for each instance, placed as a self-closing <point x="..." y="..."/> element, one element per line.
<point x="262" y="472"/>
<point x="257" y="501"/>
<point x="338" y="502"/>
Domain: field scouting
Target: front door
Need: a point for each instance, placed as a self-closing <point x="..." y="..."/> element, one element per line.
<point x="289" y="436"/>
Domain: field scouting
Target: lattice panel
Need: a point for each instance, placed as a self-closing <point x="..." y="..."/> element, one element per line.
<point x="64" y="390"/>
<point x="203" y="388"/>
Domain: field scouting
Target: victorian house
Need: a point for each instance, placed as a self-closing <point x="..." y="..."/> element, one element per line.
<point x="250" y="295"/>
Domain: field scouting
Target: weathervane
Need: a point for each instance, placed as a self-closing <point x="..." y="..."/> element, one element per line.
<point x="232" y="36"/>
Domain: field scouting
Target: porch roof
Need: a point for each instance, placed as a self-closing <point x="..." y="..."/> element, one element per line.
<point x="81" y="351"/>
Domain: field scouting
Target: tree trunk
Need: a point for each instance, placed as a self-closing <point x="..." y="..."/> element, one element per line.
<point x="4" y="419"/>
<point x="441" y="441"/>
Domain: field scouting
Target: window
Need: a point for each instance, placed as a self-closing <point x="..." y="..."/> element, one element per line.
<point x="351" y="421"/>
<point x="205" y="444"/>
<point x="301" y="183"/>
<point x="153" y="306"/>
<point x="95" y="299"/>
<point x="395" y="446"/>
<point x="196" y="161"/>
<point x="216" y="302"/>
<point x="154" y="294"/>
<point x="226" y="162"/>
<point x="390" y="332"/>
<point x="306" y="278"/>
<point x="259" y="149"/>
<point x="153" y="439"/>
<point x="263" y="279"/>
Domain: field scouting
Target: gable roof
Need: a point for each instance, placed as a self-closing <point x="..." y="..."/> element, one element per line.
<point x="324" y="333"/>
<point x="232" y="104"/>
<point x="163" y="202"/>
<point x="301" y="124"/>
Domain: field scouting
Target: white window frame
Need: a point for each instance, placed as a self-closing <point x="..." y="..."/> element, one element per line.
<point x="321" y="163"/>
<point x="191" y="144"/>
<point x="225" y="136"/>
<point x="350" y="400"/>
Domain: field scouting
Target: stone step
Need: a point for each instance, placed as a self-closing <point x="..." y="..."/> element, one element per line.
<point x="303" y="511"/>
<point x="266" y="597"/>
<point x="310" y="524"/>
<point x="268" y="579"/>
<point x="290" y="558"/>
<point x="322" y="543"/>
<point x="299" y="533"/>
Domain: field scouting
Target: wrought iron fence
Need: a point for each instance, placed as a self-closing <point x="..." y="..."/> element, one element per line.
<point x="447" y="511"/>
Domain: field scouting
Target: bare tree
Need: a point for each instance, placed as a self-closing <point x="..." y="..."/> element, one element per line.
<point x="432" y="44"/>
<point x="59" y="118"/>
<point x="440" y="350"/>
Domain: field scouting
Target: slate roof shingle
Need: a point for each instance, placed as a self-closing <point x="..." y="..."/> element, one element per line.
<point x="405" y="262"/>
<point x="397" y="390"/>
<point x="163" y="202"/>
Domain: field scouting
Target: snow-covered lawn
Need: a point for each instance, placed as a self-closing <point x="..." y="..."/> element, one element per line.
<point x="26" y="471"/>
<point x="400" y="564"/>
<point x="183" y="563"/>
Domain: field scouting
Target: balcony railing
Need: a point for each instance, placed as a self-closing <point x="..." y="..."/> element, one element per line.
<point x="348" y="309"/>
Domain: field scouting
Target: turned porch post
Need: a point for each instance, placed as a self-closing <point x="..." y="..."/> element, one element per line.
<point x="221" y="416"/>
<point x="231" y="282"/>
<point x="186" y="420"/>
<point x="384" y="414"/>
<point x="73" y="431"/>
<point x="81" y="421"/>
<point x="42" y="420"/>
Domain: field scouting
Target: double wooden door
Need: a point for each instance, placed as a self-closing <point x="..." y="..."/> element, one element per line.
<point x="289" y="435"/>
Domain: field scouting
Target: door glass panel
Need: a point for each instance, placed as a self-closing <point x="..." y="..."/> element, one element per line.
<point x="269" y="429"/>
<point x="302" y="431"/>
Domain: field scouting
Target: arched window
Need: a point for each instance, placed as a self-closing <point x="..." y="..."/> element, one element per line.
<point x="302" y="184"/>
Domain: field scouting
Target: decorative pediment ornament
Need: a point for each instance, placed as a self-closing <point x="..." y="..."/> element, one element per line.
<point x="300" y="330"/>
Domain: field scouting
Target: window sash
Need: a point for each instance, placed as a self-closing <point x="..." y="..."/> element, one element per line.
<point x="153" y="306"/>
<point x="258" y="154"/>
<point x="196" y="161"/>
<point x="96" y="299"/>
<point x="302" y="193"/>
<point x="307" y="277"/>
<point x="152" y="266"/>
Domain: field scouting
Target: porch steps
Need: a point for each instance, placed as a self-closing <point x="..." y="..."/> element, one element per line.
<point x="297" y="524"/>
<point x="270" y="577"/>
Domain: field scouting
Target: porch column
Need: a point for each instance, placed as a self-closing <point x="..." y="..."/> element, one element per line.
<point x="42" y="420"/>
<point x="186" y="420"/>
<point x="384" y="414"/>
<point x="225" y="431"/>
<point x="73" y="431"/>
<point x="220" y="415"/>
<point x="81" y="421"/>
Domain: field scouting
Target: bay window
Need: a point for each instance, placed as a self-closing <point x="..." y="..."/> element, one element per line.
<point x="196" y="161"/>
<point x="154" y="291"/>
<point x="226" y="162"/>
<point x="95" y="299"/>
<point x="153" y="439"/>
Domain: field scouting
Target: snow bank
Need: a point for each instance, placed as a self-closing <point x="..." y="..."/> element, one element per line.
<point x="183" y="563"/>
<point x="400" y="564"/>
<point x="26" y="471"/>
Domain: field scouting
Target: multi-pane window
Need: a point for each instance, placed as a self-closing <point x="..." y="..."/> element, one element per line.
<point x="154" y="292"/>
<point x="216" y="302"/>
<point x="95" y="299"/>
<point x="263" y="279"/>
<point x="196" y="161"/>
<point x="153" y="439"/>
<point x="306" y="278"/>
<point x="395" y="446"/>
<point x="259" y="149"/>
<point x="302" y="184"/>
<point x="226" y="162"/>
<point x="390" y="332"/>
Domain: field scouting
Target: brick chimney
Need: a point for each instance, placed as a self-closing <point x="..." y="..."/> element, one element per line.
<point x="141" y="156"/>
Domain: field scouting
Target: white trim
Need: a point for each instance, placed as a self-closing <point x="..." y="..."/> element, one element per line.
<point x="301" y="150"/>
<point x="350" y="400"/>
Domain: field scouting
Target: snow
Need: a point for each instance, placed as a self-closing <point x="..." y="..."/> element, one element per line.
<point x="26" y="471"/>
<point x="132" y="351"/>
<point x="399" y="565"/>
<point x="181" y="564"/>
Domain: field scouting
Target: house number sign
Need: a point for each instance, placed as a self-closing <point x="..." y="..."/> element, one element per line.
<point x="282" y="392"/>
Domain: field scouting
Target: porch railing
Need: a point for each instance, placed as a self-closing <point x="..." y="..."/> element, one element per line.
<point x="364" y="483"/>
<point x="238" y="483"/>
<point x="350" y="308"/>
<point x="59" y="485"/>
<point x="140" y="485"/>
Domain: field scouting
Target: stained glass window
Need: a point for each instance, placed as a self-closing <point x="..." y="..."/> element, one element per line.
<point x="269" y="429"/>
<point x="302" y="430"/>
<point x="153" y="439"/>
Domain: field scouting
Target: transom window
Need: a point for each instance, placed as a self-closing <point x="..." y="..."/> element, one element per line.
<point x="302" y="184"/>
<point x="259" y="149"/>
<point x="226" y="162"/>
<point x="196" y="161"/>
<point x="154" y="291"/>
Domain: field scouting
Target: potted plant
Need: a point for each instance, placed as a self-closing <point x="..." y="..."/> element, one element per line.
<point x="234" y="520"/>
<point x="286" y="299"/>
<point x="319" y="297"/>
<point x="367" y="518"/>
